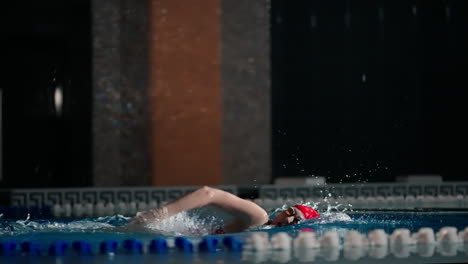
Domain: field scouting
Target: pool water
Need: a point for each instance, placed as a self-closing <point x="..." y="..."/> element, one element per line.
<point x="196" y="225"/>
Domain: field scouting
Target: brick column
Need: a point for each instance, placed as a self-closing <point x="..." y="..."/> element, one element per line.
<point x="185" y="93"/>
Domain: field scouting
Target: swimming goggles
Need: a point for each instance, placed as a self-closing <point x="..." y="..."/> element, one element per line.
<point x="292" y="212"/>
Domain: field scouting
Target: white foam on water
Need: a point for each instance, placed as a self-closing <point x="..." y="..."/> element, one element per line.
<point x="186" y="224"/>
<point x="332" y="217"/>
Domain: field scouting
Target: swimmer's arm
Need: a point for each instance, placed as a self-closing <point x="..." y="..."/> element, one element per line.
<point x="247" y="214"/>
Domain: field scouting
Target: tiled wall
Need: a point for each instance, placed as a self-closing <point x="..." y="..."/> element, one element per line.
<point x="49" y="197"/>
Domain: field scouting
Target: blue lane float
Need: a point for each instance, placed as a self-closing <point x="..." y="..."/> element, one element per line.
<point x="233" y="243"/>
<point x="208" y="244"/>
<point x="58" y="248"/>
<point x="108" y="246"/>
<point x="8" y="248"/>
<point x="133" y="246"/>
<point x="158" y="245"/>
<point x="82" y="248"/>
<point x="183" y="244"/>
<point x="31" y="248"/>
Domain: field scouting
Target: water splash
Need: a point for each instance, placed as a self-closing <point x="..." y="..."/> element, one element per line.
<point x="185" y="223"/>
<point x="17" y="227"/>
<point x="333" y="217"/>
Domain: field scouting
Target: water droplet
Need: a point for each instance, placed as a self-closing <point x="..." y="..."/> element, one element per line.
<point x="381" y="14"/>
<point x="279" y="19"/>
<point x="313" y="21"/>
<point x="414" y="10"/>
<point x="347" y="20"/>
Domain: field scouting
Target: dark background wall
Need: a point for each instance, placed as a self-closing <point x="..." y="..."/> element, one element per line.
<point x="368" y="90"/>
<point x="361" y="90"/>
<point x="46" y="44"/>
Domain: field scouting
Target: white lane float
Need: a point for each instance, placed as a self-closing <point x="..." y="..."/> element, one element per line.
<point x="378" y="242"/>
<point x="447" y="234"/>
<point x="109" y="209"/>
<point x="330" y="239"/>
<point x="88" y="209"/>
<point x="306" y="254"/>
<point x="355" y="239"/>
<point x="354" y="253"/>
<point x="306" y="239"/>
<point x="447" y="241"/>
<point x="258" y="241"/>
<point x="378" y="252"/>
<point x="77" y="210"/>
<point x="281" y="256"/>
<point x="355" y="245"/>
<point x="463" y="235"/>
<point x="425" y="235"/>
<point x="330" y="253"/>
<point x="121" y="208"/>
<point x="132" y="208"/>
<point x="426" y="250"/>
<point x="281" y="241"/>
<point x="57" y="210"/>
<point x="401" y="236"/>
<point x="67" y="210"/>
<point x="141" y="206"/>
<point x="378" y="238"/>
<point x="153" y="205"/>
<point x="401" y="243"/>
<point x="99" y="209"/>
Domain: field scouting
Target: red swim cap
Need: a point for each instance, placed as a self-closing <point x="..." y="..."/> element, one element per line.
<point x="309" y="213"/>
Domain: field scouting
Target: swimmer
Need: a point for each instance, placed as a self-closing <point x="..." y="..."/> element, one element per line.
<point x="246" y="213"/>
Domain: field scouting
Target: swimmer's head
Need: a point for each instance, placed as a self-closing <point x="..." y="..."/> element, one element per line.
<point x="294" y="215"/>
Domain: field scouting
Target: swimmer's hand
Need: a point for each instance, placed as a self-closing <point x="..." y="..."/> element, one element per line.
<point x="150" y="217"/>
